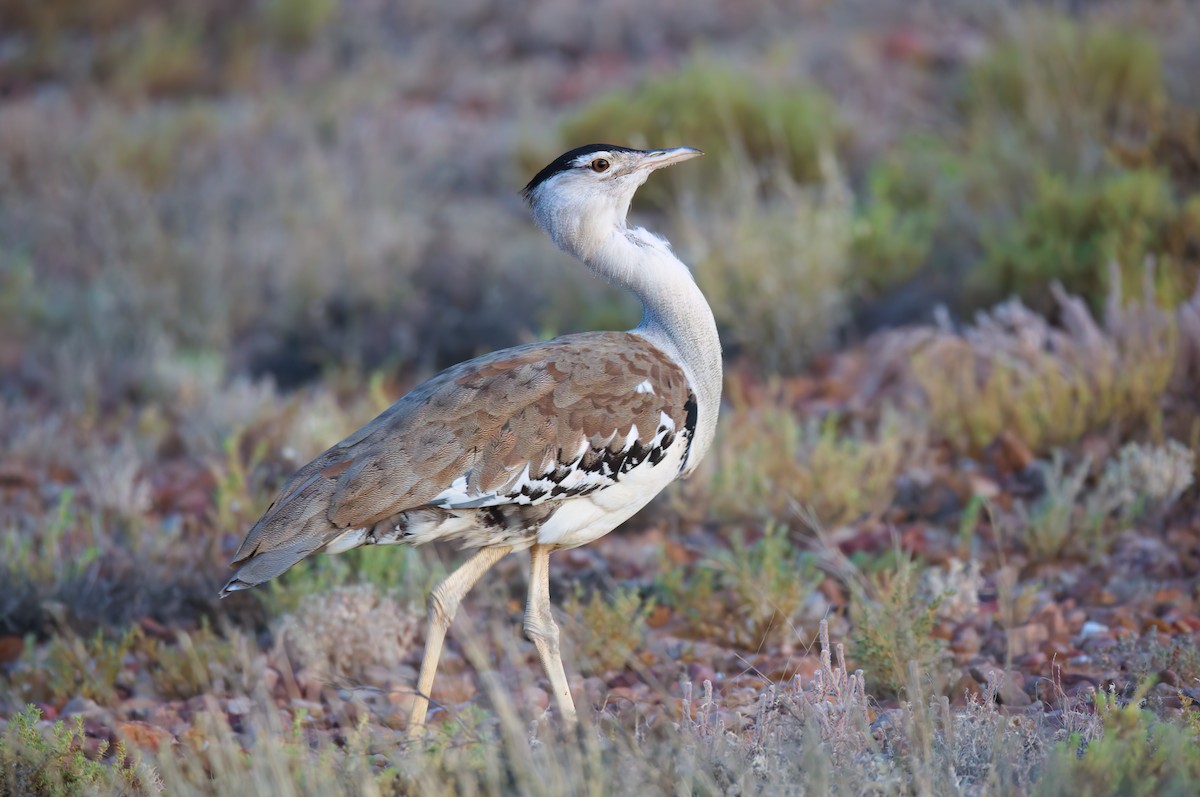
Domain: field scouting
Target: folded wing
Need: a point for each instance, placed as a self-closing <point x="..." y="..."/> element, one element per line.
<point x="526" y="426"/>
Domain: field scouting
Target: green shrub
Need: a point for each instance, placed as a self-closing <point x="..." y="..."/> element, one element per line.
<point x="1071" y="232"/>
<point x="165" y="58"/>
<point x="893" y="234"/>
<point x="1071" y="517"/>
<point x="893" y="619"/>
<point x="1013" y="372"/>
<point x="749" y="594"/>
<point x="296" y="23"/>
<point x="1137" y="754"/>
<point x="33" y="761"/>
<point x="1141" y="658"/>
<point x="200" y="663"/>
<point x="1083" y="106"/>
<point x="609" y="631"/>
<point x="1067" y="156"/>
<point x="1053" y="523"/>
<point x="94" y="668"/>
<point x="775" y="266"/>
<point x="1072" y="90"/>
<point x="740" y="120"/>
<point x="767" y="582"/>
<point x="767" y="462"/>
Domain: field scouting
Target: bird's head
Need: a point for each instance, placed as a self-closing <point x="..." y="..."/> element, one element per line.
<point x="584" y="194"/>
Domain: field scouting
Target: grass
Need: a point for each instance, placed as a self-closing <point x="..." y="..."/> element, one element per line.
<point x="1149" y="657"/>
<point x="751" y="594"/>
<point x="93" y="668"/>
<point x="1053" y="522"/>
<point x="767" y="582"/>
<point x="199" y="663"/>
<point x="813" y="734"/>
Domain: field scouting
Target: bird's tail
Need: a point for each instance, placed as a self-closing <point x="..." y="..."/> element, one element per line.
<point x="294" y="528"/>
<point x="266" y="565"/>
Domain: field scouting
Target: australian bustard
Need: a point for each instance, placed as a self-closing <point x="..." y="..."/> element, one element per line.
<point x="544" y="446"/>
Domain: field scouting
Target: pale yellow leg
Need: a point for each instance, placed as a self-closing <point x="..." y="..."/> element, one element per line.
<point x="542" y="631"/>
<point x="443" y="604"/>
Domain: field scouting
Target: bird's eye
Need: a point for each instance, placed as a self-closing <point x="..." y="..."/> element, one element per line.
<point x="599" y="165"/>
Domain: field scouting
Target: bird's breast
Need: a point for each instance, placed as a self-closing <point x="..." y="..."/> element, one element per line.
<point x="586" y="518"/>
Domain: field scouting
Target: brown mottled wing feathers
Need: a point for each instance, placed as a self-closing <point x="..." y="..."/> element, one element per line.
<point x="484" y="420"/>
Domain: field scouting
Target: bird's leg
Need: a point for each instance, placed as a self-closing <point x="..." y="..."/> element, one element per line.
<point x="541" y="630"/>
<point x="443" y="603"/>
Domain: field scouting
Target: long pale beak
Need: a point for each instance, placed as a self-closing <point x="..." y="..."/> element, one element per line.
<point x="656" y="159"/>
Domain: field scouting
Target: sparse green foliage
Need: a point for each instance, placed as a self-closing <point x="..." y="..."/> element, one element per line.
<point x="238" y="502"/>
<point x="770" y="462"/>
<point x="167" y="58"/>
<point x="1071" y="90"/>
<point x="1143" y="658"/>
<point x="892" y="621"/>
<point x="1072" y="517"/>
<point x="1072" y="232"/>
<point x="48" y="556"/>
<point x="212" y="761"/>
<point x="750" y="594"/>
<point x="93" y="668"/>
<point x="405" y="573"/>
<point x="1137" y="754"/>
<point x="609" y="631"/>
<point x="893" y="234"/>
<point x="767" y="581"/>
<point x="1053" y="522"/>
<point x="1059" y="168"/>
<point x="692" y="593"/>
<point x="750" y="249"/>
<point x="199" y="663"/>
<point x="38" y="760"/>
<point x="742" y="122"/>
<point x="297" y="22"/>
<point x="140" y="47"/>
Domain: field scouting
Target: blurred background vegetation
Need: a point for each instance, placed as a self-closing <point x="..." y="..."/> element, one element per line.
<point x="291" y="187"/>
<point x="952" y="249"/>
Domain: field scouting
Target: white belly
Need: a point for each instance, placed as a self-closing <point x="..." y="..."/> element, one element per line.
<point x="587" y="518"/>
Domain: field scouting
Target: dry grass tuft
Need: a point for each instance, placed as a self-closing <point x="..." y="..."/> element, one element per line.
<point x="767" y="462"/>
<point x="1073" y="516"/>
<point x="1012" y="371"/>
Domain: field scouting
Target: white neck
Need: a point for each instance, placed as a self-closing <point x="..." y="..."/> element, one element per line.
<point x="675" y="315"/>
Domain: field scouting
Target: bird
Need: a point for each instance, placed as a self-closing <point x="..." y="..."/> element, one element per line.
<point x="541" y="447"/>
